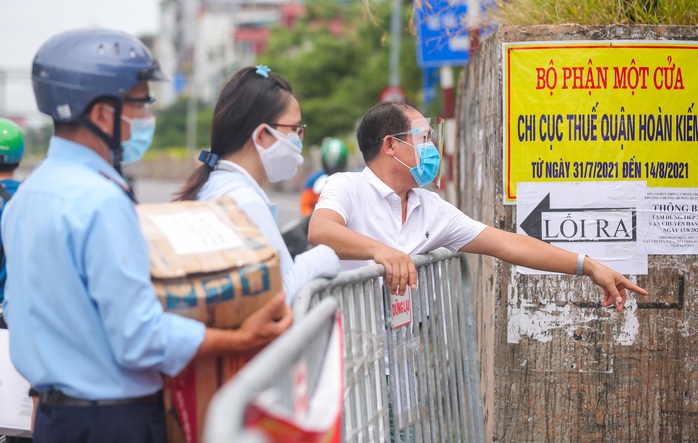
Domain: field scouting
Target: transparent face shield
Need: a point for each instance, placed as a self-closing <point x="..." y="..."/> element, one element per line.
<point x="424" y="130"/>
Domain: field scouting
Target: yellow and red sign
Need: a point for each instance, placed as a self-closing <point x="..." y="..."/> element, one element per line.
<point x="600" y="111"/>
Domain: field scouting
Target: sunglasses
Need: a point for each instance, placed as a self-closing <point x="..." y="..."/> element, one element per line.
<point x="298" y="129"/>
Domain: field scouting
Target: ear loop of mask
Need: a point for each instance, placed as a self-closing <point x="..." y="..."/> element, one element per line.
<point x="417" y="158"/>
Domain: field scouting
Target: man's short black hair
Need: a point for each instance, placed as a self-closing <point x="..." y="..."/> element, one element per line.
<point x="383" y="119"/>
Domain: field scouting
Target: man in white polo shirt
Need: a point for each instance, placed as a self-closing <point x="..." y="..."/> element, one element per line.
<point x="381" y="214"/>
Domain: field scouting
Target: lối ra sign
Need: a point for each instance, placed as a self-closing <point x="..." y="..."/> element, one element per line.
<point x="570" y="224"/>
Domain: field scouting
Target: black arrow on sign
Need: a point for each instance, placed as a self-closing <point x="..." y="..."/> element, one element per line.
<point x="532" y="225"/>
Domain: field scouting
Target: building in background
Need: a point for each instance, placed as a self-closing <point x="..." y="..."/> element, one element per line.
<point x="199" y="44"/>
<point x="202" y="42"/>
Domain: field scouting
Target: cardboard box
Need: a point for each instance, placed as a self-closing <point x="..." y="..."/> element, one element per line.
<point x="210" y="263"/>
<point x="187" y="395"/>
<point x="186" y="399"/>
<point x="15" y="404"/>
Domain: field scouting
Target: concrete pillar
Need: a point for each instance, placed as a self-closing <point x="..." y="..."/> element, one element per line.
<point x="583" y="386"/>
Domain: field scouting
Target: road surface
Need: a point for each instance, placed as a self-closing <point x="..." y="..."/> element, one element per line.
<point x="155" y="191"/>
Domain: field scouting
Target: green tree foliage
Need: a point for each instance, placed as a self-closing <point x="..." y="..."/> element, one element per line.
<point x="337" y="78"/>
<point x="36" y="140"/>
<point x="171" y="128"/>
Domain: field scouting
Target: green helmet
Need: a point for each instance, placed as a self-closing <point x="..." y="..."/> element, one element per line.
<point x="11" y="142"/>
<point x="334" y="155"/>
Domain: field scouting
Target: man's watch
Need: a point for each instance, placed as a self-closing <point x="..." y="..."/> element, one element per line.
<point x="580" y="264"/>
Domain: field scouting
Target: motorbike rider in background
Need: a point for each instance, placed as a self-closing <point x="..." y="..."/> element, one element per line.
<point x="334" y="155"/>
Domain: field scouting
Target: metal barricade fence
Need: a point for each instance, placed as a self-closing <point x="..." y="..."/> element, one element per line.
<point x="421" y="379"/>
<point x="272" y="378"/>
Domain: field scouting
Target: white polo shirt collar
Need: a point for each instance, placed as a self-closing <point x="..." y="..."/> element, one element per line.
<point x="413" y="200"/>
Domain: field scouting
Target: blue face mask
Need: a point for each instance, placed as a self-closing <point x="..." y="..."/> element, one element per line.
<point x="429" y="162"/>
<point x="142" y="132"/>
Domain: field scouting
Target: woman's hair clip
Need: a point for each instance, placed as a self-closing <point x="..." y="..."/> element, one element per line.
<point x="263" y="71"/>
<point x="208" y="158"/>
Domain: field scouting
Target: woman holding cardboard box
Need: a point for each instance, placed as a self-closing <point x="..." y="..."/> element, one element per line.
<point x="257" y="136"/>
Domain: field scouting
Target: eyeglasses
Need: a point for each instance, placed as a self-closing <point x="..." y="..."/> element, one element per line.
<point x="142" y="104"/>
<point x="147" y="99"/>
<point x="425" y="133"/>
<point x="298" y="129"/>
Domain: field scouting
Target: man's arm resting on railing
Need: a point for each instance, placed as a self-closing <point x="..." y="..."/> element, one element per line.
<point x="530" y="252"/>
<point x="327" y="227"/>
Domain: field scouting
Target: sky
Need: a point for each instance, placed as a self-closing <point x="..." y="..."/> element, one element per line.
<point x="28" y="24"/>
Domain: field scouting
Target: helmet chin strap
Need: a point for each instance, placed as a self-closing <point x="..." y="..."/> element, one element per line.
<point x="113" y="142"/>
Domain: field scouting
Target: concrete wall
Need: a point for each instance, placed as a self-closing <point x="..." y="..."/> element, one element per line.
<point x="584" y="386"/>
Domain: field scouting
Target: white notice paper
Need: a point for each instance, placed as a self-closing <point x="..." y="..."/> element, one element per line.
<point x="668" y="221"/>
<point x="196" y="232"/>
<point x="15" y="403"/>
<point x="401" y="308"/>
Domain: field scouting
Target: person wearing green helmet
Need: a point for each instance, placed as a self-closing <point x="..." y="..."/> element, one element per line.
<point x="334" y="155"/>
<point x="11" y="153"/>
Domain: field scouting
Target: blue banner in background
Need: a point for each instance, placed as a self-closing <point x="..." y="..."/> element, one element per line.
<point x="443" y="33"/>
<point x="443" y="37"/>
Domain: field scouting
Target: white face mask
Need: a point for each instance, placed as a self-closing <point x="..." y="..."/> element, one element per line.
<point x="282" y="159"/>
